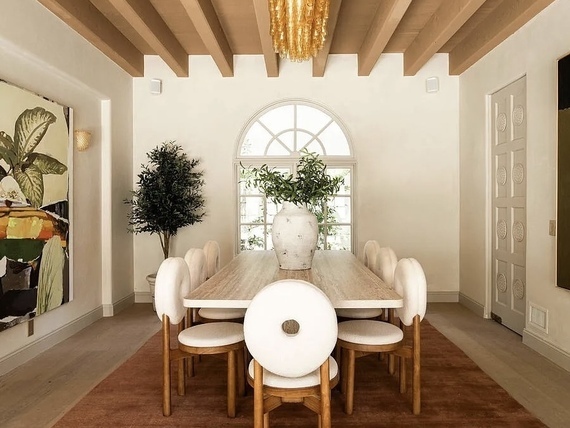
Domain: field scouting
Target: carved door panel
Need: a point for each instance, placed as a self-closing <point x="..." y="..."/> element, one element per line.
<point x="508" y="151"/>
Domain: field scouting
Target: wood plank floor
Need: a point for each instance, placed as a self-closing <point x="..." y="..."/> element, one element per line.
<point x="40" y="391"/>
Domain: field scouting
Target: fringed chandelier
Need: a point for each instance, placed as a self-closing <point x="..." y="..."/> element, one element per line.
<point x="298" y="27"/>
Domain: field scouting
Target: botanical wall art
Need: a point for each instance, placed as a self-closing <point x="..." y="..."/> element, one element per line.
<point x="34" y="205"/>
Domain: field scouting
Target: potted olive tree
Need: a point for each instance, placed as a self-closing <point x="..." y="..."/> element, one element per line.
<point x="295" y="227"/>
<point x="168" y="197"/>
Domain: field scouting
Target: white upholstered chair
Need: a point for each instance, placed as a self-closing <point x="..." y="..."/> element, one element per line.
<point x="206" y="262"/>
<point x="225" y="338"/>
<point x="361" y="337"/>
<point x="386" y="262"/>
<point x="212" y="253"/>
<point x="290" y="330"/>
<point x="369" y="258"/>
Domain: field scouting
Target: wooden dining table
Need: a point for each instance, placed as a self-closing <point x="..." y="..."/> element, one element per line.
<point x="339" y="274"/>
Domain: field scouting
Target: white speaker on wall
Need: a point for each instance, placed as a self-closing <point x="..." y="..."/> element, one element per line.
<point x="155" y="86"/>
<point x="432" y="84"/>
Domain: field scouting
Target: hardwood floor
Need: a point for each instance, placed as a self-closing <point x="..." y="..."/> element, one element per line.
<point x="40" y="391"/>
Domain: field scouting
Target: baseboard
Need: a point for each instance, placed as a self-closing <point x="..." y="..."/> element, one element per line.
<point x="443" y="296"/>
<point x="32" y="350"/>
<point x="472" y="305"/>
<point x="553" y="353"/>
<point x="143" y="297"/>
<point x="113" y="309"/>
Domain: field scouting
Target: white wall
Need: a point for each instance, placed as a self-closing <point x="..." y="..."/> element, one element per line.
<point x="532" y="51"/>
<point x="38" y="52"/>
<point x="405" y="141"/>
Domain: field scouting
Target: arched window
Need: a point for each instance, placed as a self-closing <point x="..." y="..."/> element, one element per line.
<point x="275" y="136"/>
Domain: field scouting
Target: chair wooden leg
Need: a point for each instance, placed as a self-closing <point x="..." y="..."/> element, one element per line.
<point x="343" y="371"/>
<point x="166" y="408"/>
<point x="190" y="370"/>
<point x="258" y="416"/>
<point x="325" y="416"/>
<point x="348" y="405"/>
<point x="182" y="377"/>
<point x="402" y="374"/>
<point x="240" y="367"/>
<point x="232" y="384"/>
<point x="416" y="386"/>
<point x="391" y="364"/>
<point x="266" y="420"/>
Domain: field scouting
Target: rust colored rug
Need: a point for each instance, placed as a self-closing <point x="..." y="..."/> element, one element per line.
<point x="455" y="393"/>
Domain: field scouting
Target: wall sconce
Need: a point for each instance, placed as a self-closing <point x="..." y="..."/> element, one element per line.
<point x="82" y="139"/>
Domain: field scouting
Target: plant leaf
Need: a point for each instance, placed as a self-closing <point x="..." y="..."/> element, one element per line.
<point x="50" y="280"/>
<point x="7" y="142"/>
<point x="8" y="156"/>
<point x="30" y="128"/>
<point x="46" y="164"/>
<point x="31" y="182"/>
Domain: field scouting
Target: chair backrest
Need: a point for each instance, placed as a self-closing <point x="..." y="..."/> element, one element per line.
<point x="410" y="283"/>
<point x="386" y="262"/>
<point x="309" y="318"/>
<point x="196" y="261"/>
<point x="370" y="254"/>
<point x="171" y="286"/>
<point x="212" y="252"/>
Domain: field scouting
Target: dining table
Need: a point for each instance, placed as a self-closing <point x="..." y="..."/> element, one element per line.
<point x="346" y="281"/>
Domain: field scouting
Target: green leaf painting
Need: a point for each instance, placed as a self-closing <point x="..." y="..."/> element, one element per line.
<point x="35" y="241"/>
<point x="26" y="166"/>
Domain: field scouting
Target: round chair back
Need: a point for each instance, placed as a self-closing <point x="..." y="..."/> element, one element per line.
<point x="290" y="328"/>
<point x="371" y="249"/>
<point x="386" y="265"/>
<point x="196" y="261"/>
<point x="410" y="283"/>
<point x="171" y="286"/>
<point x="212" y="252"/>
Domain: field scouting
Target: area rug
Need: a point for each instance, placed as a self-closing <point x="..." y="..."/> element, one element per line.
<point x="455" y="393"/>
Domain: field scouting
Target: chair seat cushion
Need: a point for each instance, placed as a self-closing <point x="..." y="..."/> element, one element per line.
<point x="212" y="334"/>
<point x="358" y="313"/>
<point x="368" y="332"/>
<point x="311" y="379"/>
<point x="221" y="313"/>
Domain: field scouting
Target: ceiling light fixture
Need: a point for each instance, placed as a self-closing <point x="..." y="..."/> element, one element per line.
<point x="298" y="27"/>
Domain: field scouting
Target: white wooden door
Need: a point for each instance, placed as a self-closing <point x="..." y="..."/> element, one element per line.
<point x="509" y="205"/>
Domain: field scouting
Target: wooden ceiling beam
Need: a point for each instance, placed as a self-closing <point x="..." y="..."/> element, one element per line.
<point x="207" y="24"/>
<point x="444" y="23"/>
<point x="320" y="61"/>
<point x="148" y="23"/>
<point x="263" y="26"/>
<point x="507" y="18"/>
<point x="91" y="24"/>
<point x="387" y="18"/>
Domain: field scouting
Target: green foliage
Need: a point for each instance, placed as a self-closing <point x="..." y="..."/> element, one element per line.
<point x="27" y="167"/>
<point x="311" y="185"/>
<point x="169" y="194"/>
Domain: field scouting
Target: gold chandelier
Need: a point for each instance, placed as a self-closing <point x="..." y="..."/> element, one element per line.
<point x="298" y="27"/>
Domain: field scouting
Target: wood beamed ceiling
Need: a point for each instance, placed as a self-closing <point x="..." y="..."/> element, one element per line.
<point x="127" y="30"/>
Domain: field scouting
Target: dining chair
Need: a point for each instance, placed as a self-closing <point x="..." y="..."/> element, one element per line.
<point x="212" y="253"/>
<point x="385" y="268"/>
<point x="223" y="338"/>
<point x="369" y="258"/>
<point x="361" y="337"/>
<point x="290" y="329"/>
<point x="198" y="263"/>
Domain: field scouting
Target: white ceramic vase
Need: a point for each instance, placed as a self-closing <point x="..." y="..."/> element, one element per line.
<point x="151" y="278"/>
<point x="294" y="233"/>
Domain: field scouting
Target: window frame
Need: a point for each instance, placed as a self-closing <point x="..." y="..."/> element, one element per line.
<point x="332" y="162"/>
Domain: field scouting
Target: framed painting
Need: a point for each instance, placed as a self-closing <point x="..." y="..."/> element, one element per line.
<point x="35" y="157"/>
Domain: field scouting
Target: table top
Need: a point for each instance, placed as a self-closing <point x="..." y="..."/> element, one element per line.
<point x="342" y="277"/>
